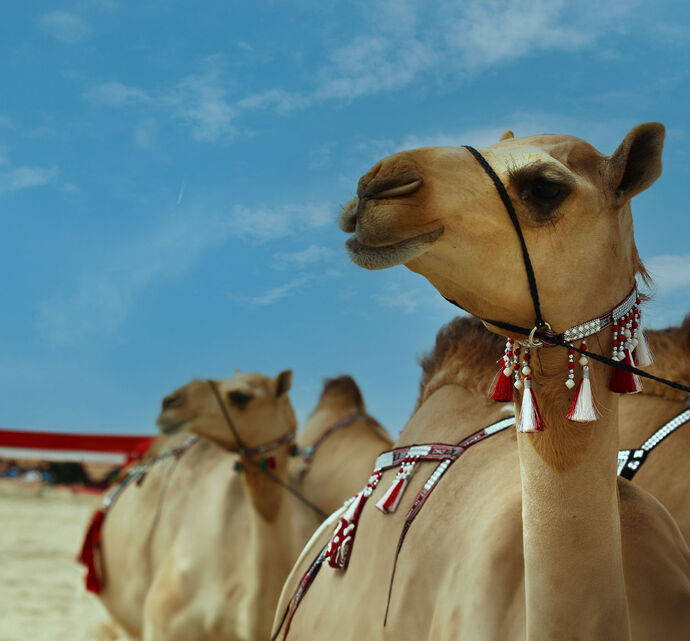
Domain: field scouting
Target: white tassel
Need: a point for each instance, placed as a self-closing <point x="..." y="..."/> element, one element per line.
<point x="530" y="419"/>
<point x="642" y="354"/>
<point x="391" y="499"/>
<point x="582" y="408"/>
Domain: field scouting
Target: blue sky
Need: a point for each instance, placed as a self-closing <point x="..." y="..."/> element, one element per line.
<point x="171" y="174"/>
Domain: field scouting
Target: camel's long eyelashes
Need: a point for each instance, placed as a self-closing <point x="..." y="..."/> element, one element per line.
<point x="239" y="399"/>
<point x="542" y="189"/>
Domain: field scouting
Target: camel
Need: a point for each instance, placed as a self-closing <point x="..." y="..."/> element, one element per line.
<point x="550" y="546"/>
<point x="339" y="444"/>
<point x="217" y="544"/>
<point x="141" y="564"/>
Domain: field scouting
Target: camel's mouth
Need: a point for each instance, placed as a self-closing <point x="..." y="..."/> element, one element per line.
<point x="168" y="427"/>
<point x="381" y="257"/>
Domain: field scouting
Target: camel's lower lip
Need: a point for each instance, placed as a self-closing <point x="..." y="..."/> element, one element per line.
<point x="381" y="257"/>
<point x="173" y="427"/>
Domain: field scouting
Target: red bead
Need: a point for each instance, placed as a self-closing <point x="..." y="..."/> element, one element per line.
<point x="615" y="328"/>
<point x="615" y="343"/>
<point x="635" y="325"/>
<point x="525" y="357"/>
<point x="571" y="365"/>
<point x="571" y="351"/>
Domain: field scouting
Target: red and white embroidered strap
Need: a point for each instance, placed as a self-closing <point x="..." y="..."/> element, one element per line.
<point x="338" y="550"/>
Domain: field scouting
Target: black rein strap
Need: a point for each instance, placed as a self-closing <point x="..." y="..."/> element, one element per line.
<point x="243" y="451"/>
<point x="546" y="336"/>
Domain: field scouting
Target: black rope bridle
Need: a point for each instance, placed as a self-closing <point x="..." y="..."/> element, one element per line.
<point x="246" y="453"/>
<point x="542" y="330"/>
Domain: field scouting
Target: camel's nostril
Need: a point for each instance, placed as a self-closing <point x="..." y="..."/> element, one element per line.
<point x="392" y="186"/>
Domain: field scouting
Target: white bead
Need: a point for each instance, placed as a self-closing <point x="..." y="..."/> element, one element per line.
<point x="517" y="384"/>
<point x="526" y="371"/>
<point x="570" y="383"/>
<point x="508" y="371"/>
<point x="583" y="361"/>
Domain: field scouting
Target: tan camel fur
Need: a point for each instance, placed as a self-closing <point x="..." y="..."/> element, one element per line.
<point x="666" y="472"/>
<point x="222" y="542"/>
<point x="561" y="549"/>
<point x="344" y="458"/>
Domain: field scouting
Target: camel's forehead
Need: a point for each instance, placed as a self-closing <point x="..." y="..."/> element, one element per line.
<point x="246" y="381"/>
<point x="567" y="151"/>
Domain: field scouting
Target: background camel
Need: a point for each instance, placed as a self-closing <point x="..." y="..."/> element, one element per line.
<point x="577" y="525"/>
<point x="341" y="442"/>
<point x="222" y="542"/>
<point x="169" y="514"/>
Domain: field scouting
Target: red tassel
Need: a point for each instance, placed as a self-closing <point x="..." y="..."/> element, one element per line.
<point x="90" y="549"/>
<point x="503" y="391"/>
<point x="389" y="501"/>
<point x="340" y="546"/>
<point x="530" y="419"/>
<point x="623" y="382"/>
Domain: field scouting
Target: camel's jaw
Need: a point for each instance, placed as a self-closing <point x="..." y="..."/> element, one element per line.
<point x="381" y="257"/>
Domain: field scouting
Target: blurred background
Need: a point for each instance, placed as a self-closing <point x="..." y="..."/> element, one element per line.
<point x="171" y="175"/>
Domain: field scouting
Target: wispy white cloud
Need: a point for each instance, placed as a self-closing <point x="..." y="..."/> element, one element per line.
<point x="303" y="258"/>
<point x="670" y="272"/>
<point x="400" y="43"/>
<point x="103" y="296"/>
<point x="274" y="294"/>
<point x="64" y="26"/>
<point x="25" y="177"/>
<point x="395" y="297"/>
<point x="199" y="102"/>
<point x="262" y="224"/>
<point x="115" y="94"/>
<point x="144" y="134"/>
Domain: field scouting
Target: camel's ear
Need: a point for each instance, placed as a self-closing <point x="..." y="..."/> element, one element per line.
<point x="636" y="164"/>
<point x="507" y="135"/>
<point x="283" y="382"/>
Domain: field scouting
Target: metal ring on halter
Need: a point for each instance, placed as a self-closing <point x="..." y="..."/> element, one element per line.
<point x="539" y="343"/>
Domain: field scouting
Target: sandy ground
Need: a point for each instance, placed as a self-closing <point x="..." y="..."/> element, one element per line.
<point x="42" y="595"/>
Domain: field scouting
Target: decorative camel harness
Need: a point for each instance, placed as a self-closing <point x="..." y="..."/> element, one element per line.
<point x="336" y="553"/>
<point x="629" y="348"/>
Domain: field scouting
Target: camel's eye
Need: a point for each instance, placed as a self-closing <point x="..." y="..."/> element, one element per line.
<point x="239" y="399"/>
<point x="544" y="196"/>
<point x="546" y="192"/>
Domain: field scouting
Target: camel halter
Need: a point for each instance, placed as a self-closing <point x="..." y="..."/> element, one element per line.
<point x="247" y="453"/>
<point x="629" y="345"/>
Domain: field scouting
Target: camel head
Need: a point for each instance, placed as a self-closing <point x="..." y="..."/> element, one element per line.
<point x="258" y="406"/>
<point x="436" y="211"/>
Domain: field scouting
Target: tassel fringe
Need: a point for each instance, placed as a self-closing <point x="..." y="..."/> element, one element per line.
<point x="90" y="550"/>
<point x="503" y="391"/>
<point x="530" y="419"/>
<point x="391" y="499"/>
<point x="582" y="408"/>
<point x="642" y="354"/>
<point x="623" y="382"/>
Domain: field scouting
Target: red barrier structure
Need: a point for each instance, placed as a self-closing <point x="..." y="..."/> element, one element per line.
<point x="81" y="448"/>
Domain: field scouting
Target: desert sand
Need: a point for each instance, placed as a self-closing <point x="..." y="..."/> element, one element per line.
<point x="42" y="595"/>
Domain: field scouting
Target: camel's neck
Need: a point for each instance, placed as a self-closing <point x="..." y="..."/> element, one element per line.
<point x="329" y="412"/>
<point x="264" y="494"/>
<point x="450" y="414"/>
<point x="571" y="523"/>
<point x="271" y="546"/>
<point x="642" y="414"/>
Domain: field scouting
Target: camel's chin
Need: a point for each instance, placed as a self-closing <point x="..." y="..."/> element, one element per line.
<point x="390" y="255"/>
